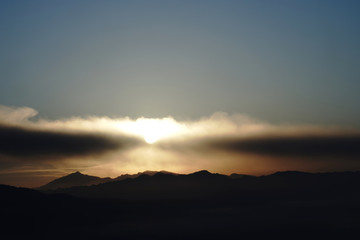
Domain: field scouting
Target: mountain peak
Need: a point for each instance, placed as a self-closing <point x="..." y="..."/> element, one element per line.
<point x="202" y="173"/>
<point x="74" y="179"/>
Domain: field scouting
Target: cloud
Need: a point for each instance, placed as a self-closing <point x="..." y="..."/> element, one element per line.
<point x="234" y="134"/>
<point x="16" y="114"/>
<point x="22" y="142"/>
<point x="240" y="134"/>
<point x="344" y="145"/>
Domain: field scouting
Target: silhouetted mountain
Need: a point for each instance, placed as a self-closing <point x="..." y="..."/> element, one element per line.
<point x="200" y="205"/>
<point x="201" y="173"/>
<point x="150" y="173"/>
<point x="203" y="184"/>
<point x="159" y="186"/>
<point x="238" y="176"/>
<point x="290" y="174"/>
<point x="78" y="179"/>
<point x="10" y="192"/>
<point x="74" y="179"/>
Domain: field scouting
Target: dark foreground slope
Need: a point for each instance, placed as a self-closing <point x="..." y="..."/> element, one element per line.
<point x="202" y="205"/>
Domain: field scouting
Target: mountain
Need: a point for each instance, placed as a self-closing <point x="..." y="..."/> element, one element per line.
<point x="214" y="187"/>
<point x="161" y="185"/>
<point x="201" y="205"/>
<point x="203" y="184"/>
<point x="150" y="173"/>
<point x="79" y="179"/>
<point x="74" y="179"/>
<point x="238" y="176"/>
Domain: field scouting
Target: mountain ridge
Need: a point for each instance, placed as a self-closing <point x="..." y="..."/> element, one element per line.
<point x="206" y="185"/>
<point x="79" y="179"/>
<point x="190" y="205"/>
<point x="73" y="179"/>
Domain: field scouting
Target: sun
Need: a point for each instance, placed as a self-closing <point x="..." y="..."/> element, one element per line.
<point x="150" y="139"/>
<point x="153" y="129"/>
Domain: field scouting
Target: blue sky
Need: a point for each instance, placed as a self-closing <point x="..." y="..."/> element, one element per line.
<point x="279" y="61"/>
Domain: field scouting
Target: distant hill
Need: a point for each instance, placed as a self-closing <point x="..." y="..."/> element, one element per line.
<point x="200" y="205"/>
<point x="206" y="185"/>
<point x="238" y="176"/>
<point x="151" y="185"/>
<point x="150" y="173"/>
<point x="79" y="179"/>
<point x="74" y="179"/>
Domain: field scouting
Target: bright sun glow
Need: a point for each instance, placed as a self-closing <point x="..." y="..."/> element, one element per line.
<point x="151" y="129"/>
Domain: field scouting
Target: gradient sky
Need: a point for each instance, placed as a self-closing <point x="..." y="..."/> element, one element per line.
<point x="228" y="86"/>
<point x="281" y="61"/>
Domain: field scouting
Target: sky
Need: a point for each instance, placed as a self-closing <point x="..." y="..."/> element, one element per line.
<point x="112" y="87"/>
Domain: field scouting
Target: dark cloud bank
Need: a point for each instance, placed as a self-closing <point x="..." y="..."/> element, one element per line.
<point x="341" y="145"/>
<point x="21" y="142"/>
